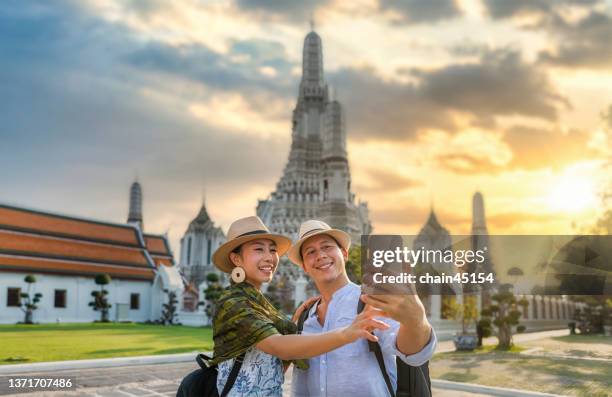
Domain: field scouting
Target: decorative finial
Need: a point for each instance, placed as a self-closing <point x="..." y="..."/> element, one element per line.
<point x="312" y="22"/>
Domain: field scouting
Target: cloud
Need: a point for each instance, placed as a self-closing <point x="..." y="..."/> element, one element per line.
<point x="531" y="149"/>
<point x="297" y="11"/>
<point x="507" y="220"/>
<point x="418" y="11"/>
<point x="500" y="83"/>
<point x="583" y="43"/>
<point x="499" y="9"/>
<point x="468" y="163"/>
<point x="413" y="217"/>
<point x="387" y="181"/>
<point x="236" y="70"/>
<point x="82" y="115"/>
<point x="536" y="148"/>
<point x="387" y="110"/>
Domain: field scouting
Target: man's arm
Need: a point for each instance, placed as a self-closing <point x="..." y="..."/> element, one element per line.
<point x="414" y="332"/>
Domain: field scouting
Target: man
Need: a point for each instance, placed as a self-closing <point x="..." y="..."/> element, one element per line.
<point x="353" y="370"/>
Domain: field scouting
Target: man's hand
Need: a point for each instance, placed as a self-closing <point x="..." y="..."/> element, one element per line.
<point x="307" y="303"/>
<point x="364" y="324"/>
<point x="405" y="309"/>
<point x="408" y="310"/>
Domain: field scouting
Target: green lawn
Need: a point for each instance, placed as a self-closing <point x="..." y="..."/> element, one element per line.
<point x="551" y="373"/>
<point x="58" y="342"/>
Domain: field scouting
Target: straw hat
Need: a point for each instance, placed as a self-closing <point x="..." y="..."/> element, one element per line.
<point x="242" y="231"/>
<point x="312" y="228"/>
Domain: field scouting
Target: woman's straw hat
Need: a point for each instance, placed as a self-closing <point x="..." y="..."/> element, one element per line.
<point x="242" y="231"/>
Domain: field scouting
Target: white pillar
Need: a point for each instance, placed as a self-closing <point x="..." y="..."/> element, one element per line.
<point x="300" y="289"/>
<point x="436" y="301"/>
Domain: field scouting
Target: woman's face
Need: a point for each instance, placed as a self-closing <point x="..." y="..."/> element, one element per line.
<point x="259" y="259"/>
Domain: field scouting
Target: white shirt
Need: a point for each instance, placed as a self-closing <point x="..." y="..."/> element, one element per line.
<point x="352" y="370"/>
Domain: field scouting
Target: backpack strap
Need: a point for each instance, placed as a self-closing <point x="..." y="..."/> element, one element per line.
<point x="304" y="316"/>
<point x="202" y="359"/>
<point x="375" y="347"/>
<point x="231" y="379"/>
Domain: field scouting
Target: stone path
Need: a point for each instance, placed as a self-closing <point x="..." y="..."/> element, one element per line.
<point x="160" y="380"/>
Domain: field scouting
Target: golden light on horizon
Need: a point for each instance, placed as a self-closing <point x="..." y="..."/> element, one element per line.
<point x="573" y="192"/>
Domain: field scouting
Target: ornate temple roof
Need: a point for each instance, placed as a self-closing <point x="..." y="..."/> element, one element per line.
<point x="433" y="227"/>
<point x="41" y="242"/>
<point x="202" y="222"/>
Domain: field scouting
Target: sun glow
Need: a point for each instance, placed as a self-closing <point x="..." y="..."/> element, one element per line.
<point x="572" y="193"/>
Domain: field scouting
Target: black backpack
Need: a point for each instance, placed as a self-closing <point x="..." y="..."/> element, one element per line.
<point x="411" y="381"/>
<point x="203" y="382"/>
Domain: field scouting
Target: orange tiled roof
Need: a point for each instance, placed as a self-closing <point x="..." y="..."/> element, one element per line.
<point x="54" y="247"/>
<point x="160" y="260"/>
<point x="28" y="220"/>
<point x="40" y="242"/>
<point x="50" y="266"/>
<point x="156" y="244"/>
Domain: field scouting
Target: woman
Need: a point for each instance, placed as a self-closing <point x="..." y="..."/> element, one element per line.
<point x="245" y="322"/>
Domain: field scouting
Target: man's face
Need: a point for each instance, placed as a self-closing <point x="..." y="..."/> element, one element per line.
<point x="323" y="258"/>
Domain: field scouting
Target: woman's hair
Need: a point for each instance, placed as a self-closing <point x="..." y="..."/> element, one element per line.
<point x="237" y="249"/>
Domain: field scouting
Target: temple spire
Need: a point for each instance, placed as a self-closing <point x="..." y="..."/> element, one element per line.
<point x="135" y="212"/>
<point x="312" y="61"/>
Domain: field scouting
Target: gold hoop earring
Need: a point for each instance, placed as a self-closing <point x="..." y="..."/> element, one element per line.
<point x="238" y="275"/>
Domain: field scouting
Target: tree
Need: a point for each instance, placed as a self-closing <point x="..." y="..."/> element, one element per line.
<point x="100" y="302"/>
<point x="503" y="313"/>
<point x="211" y="294"/>
<point x="169" y="308"/>
<point x="27" y="301"/>
<point x="466" y="311"/>
<point x="353" y="264"/>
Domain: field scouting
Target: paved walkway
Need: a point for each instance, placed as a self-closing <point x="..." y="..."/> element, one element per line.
<point x="162" y="380"/>
<point x="448" y="346"/>
<point x="159" y="380"/>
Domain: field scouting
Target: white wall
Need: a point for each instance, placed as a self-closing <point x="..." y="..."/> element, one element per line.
<point x="78" y="296"/>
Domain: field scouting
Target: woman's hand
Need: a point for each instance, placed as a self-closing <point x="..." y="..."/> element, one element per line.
<point x="364" y="324"/>
<point x="303" y="306"/>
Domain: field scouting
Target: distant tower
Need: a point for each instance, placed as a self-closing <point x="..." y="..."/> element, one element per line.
<point x="479" y="225"/>
<point x="480" y="241"/>
<point x="135" y="214"/>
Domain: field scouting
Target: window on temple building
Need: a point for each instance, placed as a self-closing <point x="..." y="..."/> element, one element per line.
<point x="135" y="301"/>
<point x="59" y="300"/>
<point x="208" y="250"/>
<point x="12" y="297"/>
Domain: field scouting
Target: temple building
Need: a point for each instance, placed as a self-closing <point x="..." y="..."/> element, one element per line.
<point x="199" y="242"/>
<point x="65" y="253"/>
<point x="316" y="181"/>
<point x="439" y="299"/>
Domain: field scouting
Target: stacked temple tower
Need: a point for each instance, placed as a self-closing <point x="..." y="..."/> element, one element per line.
<point x="316" y="181"/>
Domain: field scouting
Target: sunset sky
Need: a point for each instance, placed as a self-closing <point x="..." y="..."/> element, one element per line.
<point x="442" y="98"/>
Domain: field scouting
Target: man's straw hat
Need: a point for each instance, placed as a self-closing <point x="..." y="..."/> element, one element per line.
<point x="312" y="228"/>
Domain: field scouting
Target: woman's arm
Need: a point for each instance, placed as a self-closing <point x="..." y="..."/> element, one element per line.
<point x="292" y="347"/>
